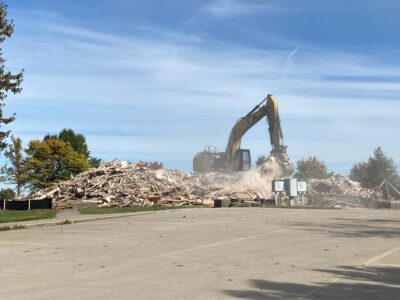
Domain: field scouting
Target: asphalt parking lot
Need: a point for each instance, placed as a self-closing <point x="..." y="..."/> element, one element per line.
<point x="236" y="253"/>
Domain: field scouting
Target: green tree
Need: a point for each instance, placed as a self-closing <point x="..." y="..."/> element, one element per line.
<point x="15" y="173"/>
<point x="52" y="160"/>
<point x="78" y="143"/>
<point x="94" y="162"/>
<point x="311" y="168"/>
<point x="76" y="140"/>
<point x="378" y="168"/>
<point x="359" y="172"/>
<point x="9" y="82"/>
<point x="7" y="194"/>
<point x="262" y="159"/>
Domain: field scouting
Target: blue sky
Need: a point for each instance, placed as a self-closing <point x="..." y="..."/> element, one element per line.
<point x="159" y="80"/>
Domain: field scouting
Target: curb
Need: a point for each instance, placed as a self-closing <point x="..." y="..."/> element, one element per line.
<point x="18" y="226"/>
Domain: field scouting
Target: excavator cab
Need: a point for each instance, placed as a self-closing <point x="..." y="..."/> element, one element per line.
<point x="242" y="160"/>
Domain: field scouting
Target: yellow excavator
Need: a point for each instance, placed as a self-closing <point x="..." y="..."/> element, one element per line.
<point x="236" y="159"/>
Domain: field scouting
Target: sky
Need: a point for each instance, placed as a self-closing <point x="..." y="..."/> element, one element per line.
<point x="159" y="80"/>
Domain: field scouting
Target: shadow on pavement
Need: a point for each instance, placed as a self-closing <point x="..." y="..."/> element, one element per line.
<point x="352" y="283"/>
<point x="353" y="228"/>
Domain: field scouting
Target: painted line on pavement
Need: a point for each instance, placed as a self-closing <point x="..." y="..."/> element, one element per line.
<point x="380" y="256"/>
<point x="331" y="280"/>
<point x="220" y="243"/>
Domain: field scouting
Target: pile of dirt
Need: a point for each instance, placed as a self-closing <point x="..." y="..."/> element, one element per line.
<point x="122" y="184"/>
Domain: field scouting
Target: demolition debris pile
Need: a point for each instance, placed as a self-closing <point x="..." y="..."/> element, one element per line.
<point x="121" y="184"/>
<point x="339" y="191"/>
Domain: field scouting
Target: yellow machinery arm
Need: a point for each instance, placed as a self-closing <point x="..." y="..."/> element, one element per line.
<point x="274" y="122"/>
<point x="270" y="109"/>
<point x="236" y="159"/>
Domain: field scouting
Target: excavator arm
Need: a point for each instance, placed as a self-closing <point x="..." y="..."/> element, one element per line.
<point x="274" y="122"/>
<point x="241" y="127"/>
<point x="236" y="159"/>
<point x="270" y="110"/>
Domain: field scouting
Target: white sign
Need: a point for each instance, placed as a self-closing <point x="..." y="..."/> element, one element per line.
<point x="301" y="186"/>
<point x="279" y="186"/>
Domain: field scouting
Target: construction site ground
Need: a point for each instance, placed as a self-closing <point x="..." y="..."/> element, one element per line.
<point x="227" y="253"/>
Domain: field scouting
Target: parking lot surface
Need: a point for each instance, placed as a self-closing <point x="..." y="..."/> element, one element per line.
<point x="229" y="253"/>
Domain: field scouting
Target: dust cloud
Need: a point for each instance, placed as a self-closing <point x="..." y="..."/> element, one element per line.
<point x="258" y="180"/>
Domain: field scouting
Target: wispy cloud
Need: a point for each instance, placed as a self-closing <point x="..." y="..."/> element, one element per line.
<point x="289" y="62"/>
<point x="233" y="8"/>
<point x="165" y="95"/>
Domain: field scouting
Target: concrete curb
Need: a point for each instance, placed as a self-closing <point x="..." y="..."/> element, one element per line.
<point x="22" y="225"/>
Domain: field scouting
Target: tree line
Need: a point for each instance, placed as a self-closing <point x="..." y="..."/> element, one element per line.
<point x="43" y="162"/>
<point x="370" y="173"/>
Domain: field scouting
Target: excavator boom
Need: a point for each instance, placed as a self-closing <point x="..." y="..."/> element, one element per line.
<point x="236" y="159"/>
<point x="241" y="127"/>
<point x="275" y="130"/>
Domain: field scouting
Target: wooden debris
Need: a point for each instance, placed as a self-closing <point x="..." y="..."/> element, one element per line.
<point x="121" y="184"/>
<point x="339" y="191"/>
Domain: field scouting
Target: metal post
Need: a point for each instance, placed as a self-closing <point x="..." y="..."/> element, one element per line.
<point x="276" y="199"/>
<point x="29" y="204"/>
<point x="4" y="204"/>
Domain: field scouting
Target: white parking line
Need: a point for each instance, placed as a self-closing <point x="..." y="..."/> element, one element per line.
<point x="380" y="256"/>
<point x="220" y="243"/>
<point x="331" y="280"/>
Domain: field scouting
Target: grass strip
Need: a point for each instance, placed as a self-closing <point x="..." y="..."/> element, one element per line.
<point x="9" y="216"/>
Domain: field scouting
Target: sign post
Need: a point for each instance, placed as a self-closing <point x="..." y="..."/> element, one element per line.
<point x="278" y="186"/>
<point x="301" y="188"/>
